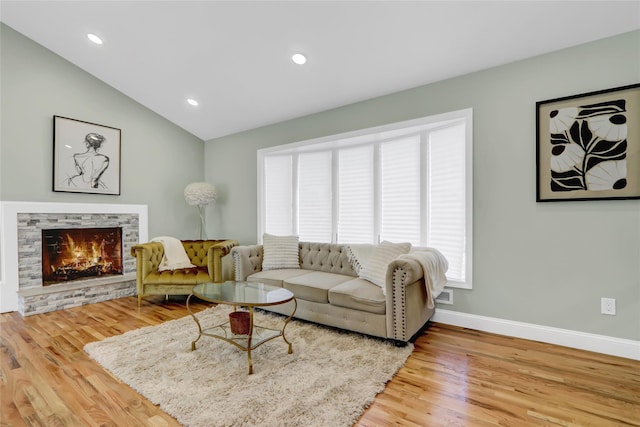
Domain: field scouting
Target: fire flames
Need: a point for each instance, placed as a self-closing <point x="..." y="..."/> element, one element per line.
<point x="80" y="253"/>
<point x="85" y="257"/>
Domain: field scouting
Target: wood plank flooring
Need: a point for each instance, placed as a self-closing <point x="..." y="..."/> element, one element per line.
<point x="455" y="377"/>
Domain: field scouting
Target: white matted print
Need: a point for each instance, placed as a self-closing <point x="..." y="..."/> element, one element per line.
<point x="86" y="157"/>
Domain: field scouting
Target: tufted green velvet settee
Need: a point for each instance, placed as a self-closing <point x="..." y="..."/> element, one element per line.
<point x="206" y="255"/>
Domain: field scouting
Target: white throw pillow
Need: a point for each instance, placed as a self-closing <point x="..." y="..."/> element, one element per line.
<point x="358" y="254"/>
<point x="375" y="268"/>
<point x="280" y="252"/>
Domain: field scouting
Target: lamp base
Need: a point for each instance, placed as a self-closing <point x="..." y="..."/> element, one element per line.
<point x="203" y="222"/>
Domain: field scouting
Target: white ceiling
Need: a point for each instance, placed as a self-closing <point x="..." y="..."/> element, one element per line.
<point x="234" y="57"/>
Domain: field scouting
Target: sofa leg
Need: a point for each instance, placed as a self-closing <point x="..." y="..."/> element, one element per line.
<point x="399" y="343"/>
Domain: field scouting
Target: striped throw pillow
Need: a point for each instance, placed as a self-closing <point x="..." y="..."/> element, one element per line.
<point x="375" y="267"/>
<point x="280" y="252"/>
<point x="358" y="254"/>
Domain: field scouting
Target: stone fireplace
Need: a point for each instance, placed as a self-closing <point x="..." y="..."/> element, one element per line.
<point x="56" y="256"/>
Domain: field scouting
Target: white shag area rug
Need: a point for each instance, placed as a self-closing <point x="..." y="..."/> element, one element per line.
<point x="329" y="380"/>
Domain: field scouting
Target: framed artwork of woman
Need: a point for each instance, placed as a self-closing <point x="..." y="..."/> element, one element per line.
<point x="86" y="157"/>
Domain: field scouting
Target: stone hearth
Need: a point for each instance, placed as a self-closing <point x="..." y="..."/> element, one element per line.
<point x="22" y="254"/>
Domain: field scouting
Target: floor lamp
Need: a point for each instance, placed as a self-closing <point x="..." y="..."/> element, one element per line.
<point x="200" y="194"/>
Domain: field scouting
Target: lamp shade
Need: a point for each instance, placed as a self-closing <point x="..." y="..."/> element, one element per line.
<point x="200" y="193"/>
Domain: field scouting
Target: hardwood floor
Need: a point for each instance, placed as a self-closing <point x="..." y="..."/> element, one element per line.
<point x="454" y="377"/>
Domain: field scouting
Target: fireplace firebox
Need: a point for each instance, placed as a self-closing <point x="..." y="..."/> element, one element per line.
<point x="80" y="253"/>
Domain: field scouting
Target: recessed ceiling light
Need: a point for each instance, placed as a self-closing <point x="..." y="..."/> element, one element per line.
<point x="299" y="58"/>
<point x="94" y="38"/>
<point x="192" y="101"/>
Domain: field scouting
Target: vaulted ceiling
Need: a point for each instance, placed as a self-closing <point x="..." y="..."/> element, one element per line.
<point x="234" y="57"/>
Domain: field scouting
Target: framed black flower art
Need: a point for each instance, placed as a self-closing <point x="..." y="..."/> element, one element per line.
<point x="588" y="146"/>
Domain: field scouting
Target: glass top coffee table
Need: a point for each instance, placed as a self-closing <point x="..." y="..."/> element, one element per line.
<point x="245" y="336"/>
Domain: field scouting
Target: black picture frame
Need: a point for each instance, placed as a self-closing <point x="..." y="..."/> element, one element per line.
<point x="588" y="146"/>
<point x="86" y="157"/>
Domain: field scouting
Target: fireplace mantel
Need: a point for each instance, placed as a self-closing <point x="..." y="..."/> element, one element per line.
<point x="9" y="211"/>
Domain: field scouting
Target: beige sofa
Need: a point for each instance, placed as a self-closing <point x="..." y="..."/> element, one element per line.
<point x="329" y="292"/>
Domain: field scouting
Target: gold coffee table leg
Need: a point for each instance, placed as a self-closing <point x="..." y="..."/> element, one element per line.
<point x="295" y="307"/>
<point x="249" y="340"/>
<point x="193" y="343"/>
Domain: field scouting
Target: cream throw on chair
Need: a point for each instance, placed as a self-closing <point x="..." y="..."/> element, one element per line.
<point x="175" y="257"/>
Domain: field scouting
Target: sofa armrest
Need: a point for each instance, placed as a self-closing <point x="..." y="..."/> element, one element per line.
<point x="148" y="257"/>
<point x="215" y="254"/>
<point x="407" y="299"/>
<point x="209" y="254"/>
<point x="247" y="260"/>
<point x="402" y="272"/>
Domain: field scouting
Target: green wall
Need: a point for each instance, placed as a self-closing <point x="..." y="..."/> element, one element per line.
<point x="158" y="158"/>
<point x="541" y="263"/>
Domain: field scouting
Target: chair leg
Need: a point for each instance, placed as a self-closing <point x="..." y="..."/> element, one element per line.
<point x="139" y="300"/>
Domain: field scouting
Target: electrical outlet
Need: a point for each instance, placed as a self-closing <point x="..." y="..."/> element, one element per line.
<point x="608" y="306"/>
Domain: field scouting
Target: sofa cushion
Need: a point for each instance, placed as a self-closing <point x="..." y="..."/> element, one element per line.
<point x="275" y="277"/>
<point x="314" y="286"/>
<point x="359" y="294"/>
<point x="280" y="252"/>
<point x="184" y="276"/>
<point x="375" y="268"/>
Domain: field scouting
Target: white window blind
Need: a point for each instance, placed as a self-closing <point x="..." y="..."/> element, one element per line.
<point x="314" y="196"/>
<point x="278" y="195"/>
<point x="400" y="184"/>
<point x="405" y="182"/>
<point x="355" y="199"/>
<point x="446" y="227"/>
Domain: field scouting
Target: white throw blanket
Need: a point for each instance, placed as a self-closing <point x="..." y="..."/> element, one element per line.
<point x="175" y="256"/>
<point x="434" y="267"/>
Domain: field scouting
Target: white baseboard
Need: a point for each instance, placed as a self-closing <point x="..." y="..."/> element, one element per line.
<point x="584" y="341"/>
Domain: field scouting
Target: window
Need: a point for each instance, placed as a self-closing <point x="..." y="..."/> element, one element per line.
<point x="404" y="182"/>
